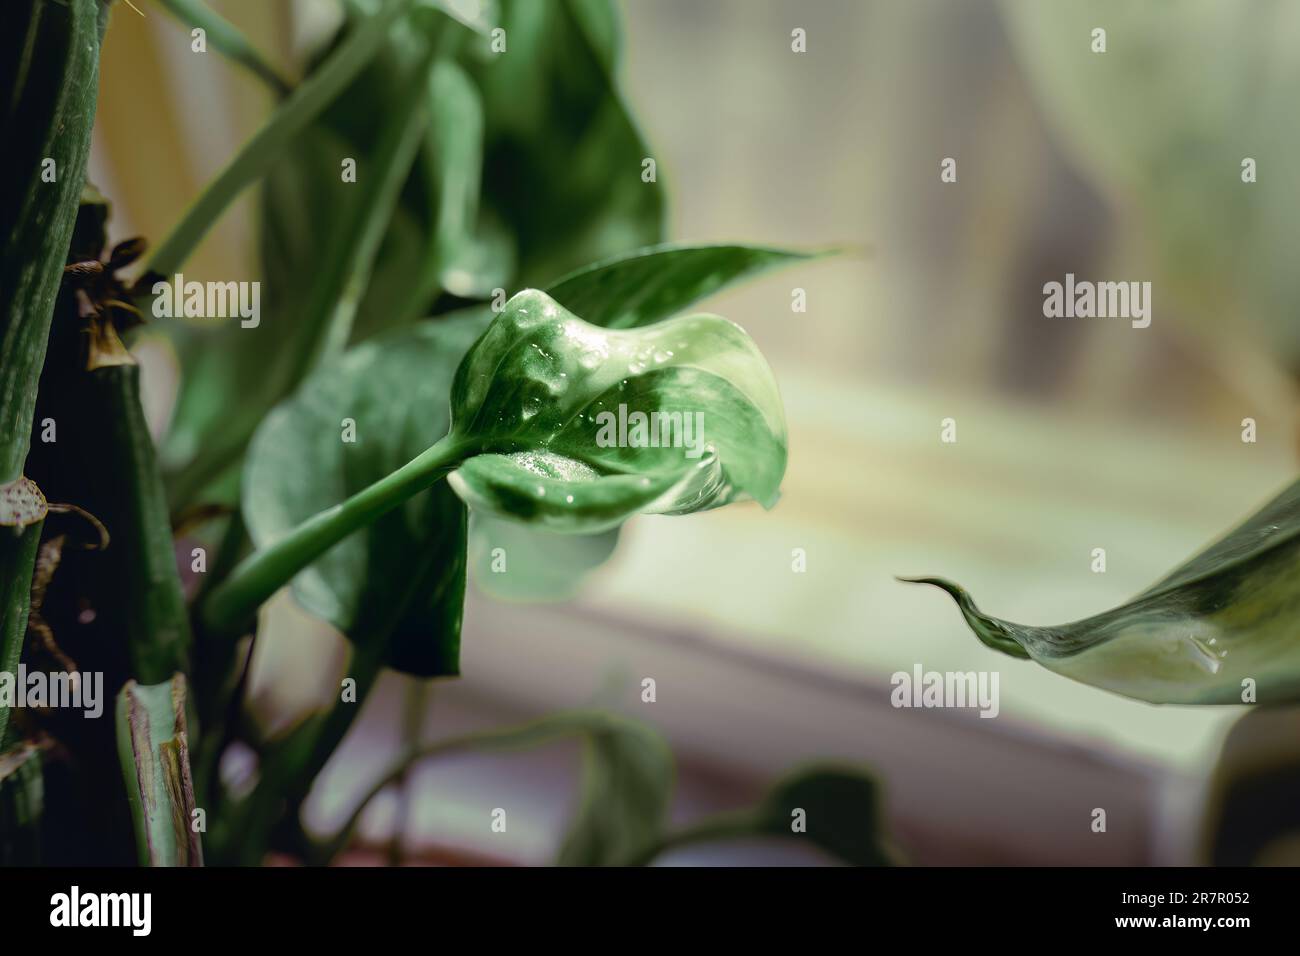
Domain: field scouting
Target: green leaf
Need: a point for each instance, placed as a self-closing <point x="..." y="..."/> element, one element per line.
<point x="402" y="579"/>
<point x="646" y="285"/>
<point x="841" y="809"/>
<point x="576" y="428"/>
<point x="627" y="783"/>
<point x="424" y="220"/>
<point x="434" y="240"/>
<point x="1225" y="617"/>
<point x="562" y="158"/>
<point x="153" y="748"/>
<point x="565" y="426"/>
<point x="628" y="290"/>
<point x="470" y="260"/>
<point x="834" y="807"/>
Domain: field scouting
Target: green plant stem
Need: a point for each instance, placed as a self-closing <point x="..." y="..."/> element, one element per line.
<point x="148" y="591"/>
<point x="228" y="40"/>
<point x="18" y="548"/>
<point x="303" y="105"/>
<point x="50" y="73"/>
<point x="254" y="580"/>
<point x="153" y="749"/>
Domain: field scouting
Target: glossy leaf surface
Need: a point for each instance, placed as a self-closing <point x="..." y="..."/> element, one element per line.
<point x="547" y="405"/>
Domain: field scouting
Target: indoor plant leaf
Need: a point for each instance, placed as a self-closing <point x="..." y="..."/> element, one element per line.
<point x="841" y="812"/>
<point x="834" y="807"/>
<point x="435" y="239"/>
<point x="1222" y="619"/>
<point x="583" y="199"/>
<point x="402" y="579"/>
<point x="576" y="428"/>
<point x="320" y="267"/>
<point x="556" y="423"/>
<point x="562" y="158"/>
<point x="646" y="285"/>
<point x="627" y="783"/>
<point x="625" y="291"/>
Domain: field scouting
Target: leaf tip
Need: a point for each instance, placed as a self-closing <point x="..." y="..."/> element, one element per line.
<point x="991" y="631"/>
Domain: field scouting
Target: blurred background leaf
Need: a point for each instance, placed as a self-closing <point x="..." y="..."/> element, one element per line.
<point x="562" y="157"/>
<point x="627" y="783"/>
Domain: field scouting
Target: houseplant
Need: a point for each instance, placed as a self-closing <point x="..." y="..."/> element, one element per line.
<point x="424" y="165"/>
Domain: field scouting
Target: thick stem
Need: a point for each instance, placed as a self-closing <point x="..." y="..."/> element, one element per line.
<point x="18" y="548"/>
<point x="153" y="748"/>
<point x="150" y="601"/>
<point x="49" y="64"/>
<point x="231" y="604"/>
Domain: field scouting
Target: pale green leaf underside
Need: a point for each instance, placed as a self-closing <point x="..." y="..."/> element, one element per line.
<point x="510" y="561"/>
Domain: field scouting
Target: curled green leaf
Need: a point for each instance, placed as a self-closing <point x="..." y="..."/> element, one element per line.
<point x="1219" y="629"/>
<point x="576" y="428"/>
